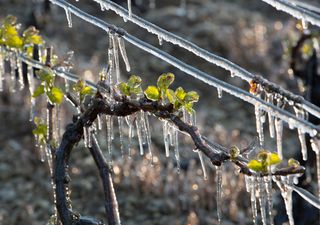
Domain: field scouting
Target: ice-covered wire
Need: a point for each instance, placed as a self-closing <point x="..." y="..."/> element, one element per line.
<point x="235" y="91"/>
<point x="295" y="11"/>
<point x="219" y="61"/>
<point x="61" y="73"/>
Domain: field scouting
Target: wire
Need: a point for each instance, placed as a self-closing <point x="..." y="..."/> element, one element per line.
<point x="219" y="61"/>
<point x="235" y="91"/>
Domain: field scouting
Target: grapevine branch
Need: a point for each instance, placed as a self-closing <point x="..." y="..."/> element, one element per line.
<point x="200" y="75"/>
<point x="124" y="107"/>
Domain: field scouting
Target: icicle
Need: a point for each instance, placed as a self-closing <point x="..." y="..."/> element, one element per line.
<point x="130" y="121"/>
<point x="147" y="124"/>
<point x="203" y="166"/>
<point x="315" y="145"/>
<point x="262" y="201"/>
<point x="1" y="70"/>
<point x="160" y="40"/>
<point x="89" y="133"/>
<point x="66" y="85"/>
<point x="286" y="192"/>
<point x="85" y="136"/>
<point x="109" y="136"/>
<point x="20" y="74"/>
<point x="49" y="158"/>
<point x="58" y="137"/>
<point x="42" y="153"/>
<point x="13" y="65"/>
<point x="270" y="116"/>
<point x="129" y="8"/>
<point x="232" y="74"/>
<point x="116" y="58"/>
<point x="248" y="182"/>
<point x="31" y="89"/>
<point x="120" y="123"/>
<point x="253" y="199"/>
<point x="300" y="113"/>
<point x="49" y="125"/>
<point x="219" y="192"/>
<point x="193" y="118"/>
<point x="166" y="137"/>
<point x="68" y="15"/>
<point x="268" y="188"/>
<point x="279" y="130"/>
<point x="219" y="92"/>
<point x="259" y="124"/>
<point x="123" y="52"/>
<point x="140" y="138"/>
<point x="102" y="6"/>
<point x="176" y="149"/>
<point x="99" y="122"/>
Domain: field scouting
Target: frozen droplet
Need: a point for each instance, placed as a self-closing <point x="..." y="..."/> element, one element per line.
<point x="203" y="166"/>
<point x="68" y="15"/>
<point x="219" y="192"/>
<point x="123" y="52"/>
<point x="219" y="92"/>
<point x="129" y="8"/>
<point x="160" y="39"/>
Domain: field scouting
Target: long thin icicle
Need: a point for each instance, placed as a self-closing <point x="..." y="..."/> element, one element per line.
<point x="109" y="136"/>
<point x="140" y="138"/>
<point x="129" y="8"/>
<point x="123" y="52"/>
<point x="259" y="124"/>
<point x="262" y="200"/>
<point x="166" y="137"/>
<point x="286" y="192"/>
<point x="315" y="145"/>
<point x="176" y="149"/>
<point x="120" y="123"/>
<point x="116" y="57"/>
<point x="300" y="113"/>
<point x="270" y="116"/>
<point x="268" y="188"/>
<point x="203" y="166"/>
<point x="1" y="69"/>
<point x="219" y="192"/>
<point x="253" y="199"/>
<point x="68" y="15"/>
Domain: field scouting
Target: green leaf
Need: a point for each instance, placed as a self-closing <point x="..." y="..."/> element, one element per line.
<point x="39" y="91"/>
<point x="189" y="108"/>
<point x="191" y="97"/>
<point x="77" y="87"/>
<point x="46" y="76"/>
<point x="180" y="94"/>
<point x="234" y="152"/>
<point x="273" y="159"/>
<point x="55" y="95"/>
<point x="134" y="82"/>
<point x="152" y="93"/>
<point x="165" y="80"/>
<point x="171" y="96"/>
<point x="124" y="88"/>
<point x="255" y="165"/>
<point x="87" y="91"/>
<point x="31" y="36"/>
<point x="294" y="163"/>
<point x="10" y="20"/>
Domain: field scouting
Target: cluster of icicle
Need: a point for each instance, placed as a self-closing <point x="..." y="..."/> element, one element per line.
<point x="15" y="75"/>
<point x="275" y="124"/>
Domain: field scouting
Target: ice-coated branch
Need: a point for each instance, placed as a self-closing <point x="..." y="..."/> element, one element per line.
<point x="233" y="68"/>
<point x="295" y="11"/>
<point x="200" y="75"/>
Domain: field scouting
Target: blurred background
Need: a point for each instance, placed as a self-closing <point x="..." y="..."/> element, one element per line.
<point x="247" y="32"/>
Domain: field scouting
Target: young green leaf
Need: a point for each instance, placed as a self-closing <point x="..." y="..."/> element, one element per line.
<point x="152" y="93"/>
<point x="293" y="163"/>
<point x="165" y="80"/>
<point x="171" y="96"/>
<point x="124" y="88"/>
<point x="255" y="165"/>
<point x="134" y="82"/>
<point x="191" y="97"/>
<point x="39" y="91"/>
<point x="55" y="95"/>
<point x="273" y="159"/>
<point x="180" y="94"/>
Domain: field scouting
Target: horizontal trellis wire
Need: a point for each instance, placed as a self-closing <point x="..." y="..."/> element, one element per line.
<point x="200" y="75"/>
